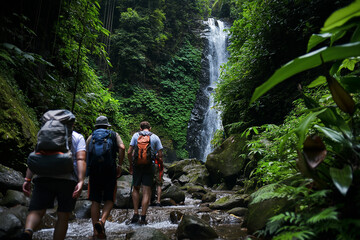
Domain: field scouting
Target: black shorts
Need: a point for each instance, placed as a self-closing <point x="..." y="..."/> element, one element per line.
<point x="102" y="188"/>
<point x="47" y="189"/>
<point x="143" y="175"/>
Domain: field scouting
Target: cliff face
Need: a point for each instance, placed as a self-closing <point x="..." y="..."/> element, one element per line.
<point x="18" y="125"/>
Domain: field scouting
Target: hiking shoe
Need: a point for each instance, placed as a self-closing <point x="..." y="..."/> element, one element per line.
<point x="26" y="235"/>
<point x="99" y="227"/>
<point x="135" y="218"/>
<point x="158" y="204"/>
<point x="143" y="220"/>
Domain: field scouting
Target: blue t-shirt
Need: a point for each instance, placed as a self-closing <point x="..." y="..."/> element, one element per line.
<point x="154" y="141"/>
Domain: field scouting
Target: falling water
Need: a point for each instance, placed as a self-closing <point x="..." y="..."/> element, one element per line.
<point x="217" y="40"/>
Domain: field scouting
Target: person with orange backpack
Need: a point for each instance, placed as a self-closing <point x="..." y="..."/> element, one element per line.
<point x="144" y="146"/>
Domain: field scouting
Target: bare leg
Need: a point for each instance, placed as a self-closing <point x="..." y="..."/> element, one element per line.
<point x="136" y="198"/>
<point x="33" y="219"/>
<point x="61" y="225"/>
<point x="145" y="200"/>
<point x="95" y="213"/>
<point x="106" y="210"/>
<point x="158" y="194"/>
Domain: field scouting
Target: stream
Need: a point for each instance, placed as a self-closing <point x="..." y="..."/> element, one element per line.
<point x="227" y="226"/>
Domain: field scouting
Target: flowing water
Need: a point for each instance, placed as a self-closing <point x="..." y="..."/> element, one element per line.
<point x="205" y="118"/>
<point x="227" y="226"/>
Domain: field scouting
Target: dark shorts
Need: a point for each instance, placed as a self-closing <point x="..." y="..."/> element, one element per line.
<point x="102" y="188"/>
<point x="46" y="190"/>
<point x="143" y="176"/>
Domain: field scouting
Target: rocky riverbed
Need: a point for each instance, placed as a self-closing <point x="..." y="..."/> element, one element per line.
<point x="191" y="209"/>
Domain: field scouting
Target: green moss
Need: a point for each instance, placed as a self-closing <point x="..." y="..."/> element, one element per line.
<point x="222" y="200"/>
<point x="17" y="125"/>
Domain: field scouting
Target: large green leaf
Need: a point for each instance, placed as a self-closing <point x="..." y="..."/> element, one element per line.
<point x="304" y="125"/>
<point x="341" y="16"/>
<point x="342" y="178"/>
<point x="334" y="136"/>
<point x="305" y="62"/>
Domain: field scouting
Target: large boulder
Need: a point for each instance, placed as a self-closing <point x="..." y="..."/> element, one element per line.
<point x="146" y="233"/>
<point x="192" y="227"/>
<point x="12" y="221"/>
<point x="10" y="179"/>
<point x="259" y="212"/>
<point x="173" y="192"/>
<point x="189" y="171"/>
<point x="231" y="201"/>
<point x="13" y="198"/>
<point x="225" y="163"/>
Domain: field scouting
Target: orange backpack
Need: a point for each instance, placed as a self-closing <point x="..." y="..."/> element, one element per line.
<point x="143" y="153"/>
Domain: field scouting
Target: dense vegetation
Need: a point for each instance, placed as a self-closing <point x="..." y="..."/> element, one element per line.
<point x="136" y="60"/>
<point x="312" y="157"/>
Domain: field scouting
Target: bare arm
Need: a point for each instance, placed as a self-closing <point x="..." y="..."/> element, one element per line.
<point x="27" y="184"/>
<point x="81" y="167"/>
<point x="130" y="157"/>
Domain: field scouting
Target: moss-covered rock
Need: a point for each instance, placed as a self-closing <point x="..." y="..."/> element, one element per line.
<point x="18" y="127"/>
<point x="225" y="162"/>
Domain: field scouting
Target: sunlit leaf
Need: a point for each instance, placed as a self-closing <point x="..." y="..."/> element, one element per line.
<point x="317" y="82"/>
<point x="304" y="125"/>
<point x="305" y="62"/>
<point x="342" y="178"/>
<point x="316" y="39"/>
<point x="314" y="151"/>
<point x="341" y="16"/>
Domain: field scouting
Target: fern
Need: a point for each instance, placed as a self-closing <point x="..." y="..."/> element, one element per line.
<point x="300" y="235"/>
<point x="327" y="214"/>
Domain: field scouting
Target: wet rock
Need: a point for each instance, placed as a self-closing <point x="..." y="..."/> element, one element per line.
<point x="209" y="197"/>
<point x="168" y="202"/>
<point x="224" y="163"/>
<point x="83" y="209"/>
<point x="174" y="193"/>
<point x="10" y="226"/>
<point x="238" y="211"/>
<point x="10" y="179"/>
<point x="20" y="212"/>
<point x="13" y="198"/>
<point x="145" y="233"/>
<point x="197" y="195"/>
<point x="175" y="217"/>
<point x="231" y="201"/>
<point x="192" y="227"/>
<point x="260" y="212"/>
<point x="194" y="188"/>
<point x="205" y="209"/>
<point x="189" y="171"/>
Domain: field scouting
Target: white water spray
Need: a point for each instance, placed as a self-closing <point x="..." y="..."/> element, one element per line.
<point x="218" y="55"/>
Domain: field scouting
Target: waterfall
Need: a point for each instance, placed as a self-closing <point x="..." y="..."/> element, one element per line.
<point x="205" y="119"/>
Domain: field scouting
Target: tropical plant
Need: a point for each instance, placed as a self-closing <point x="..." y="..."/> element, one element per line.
<point x="327" y="142"/>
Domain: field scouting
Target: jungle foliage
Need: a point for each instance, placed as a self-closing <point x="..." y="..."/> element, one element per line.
<point x="260" y="43"/>
<point x="57" y="55"/>
<point x="319" y="138"/>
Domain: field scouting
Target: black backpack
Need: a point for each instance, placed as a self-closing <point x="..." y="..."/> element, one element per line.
<point x="52" y="155"/>
<point x="101" y="154"/>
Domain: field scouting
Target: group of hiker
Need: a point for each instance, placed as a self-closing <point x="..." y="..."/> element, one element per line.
<point x="61" y="161"/>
